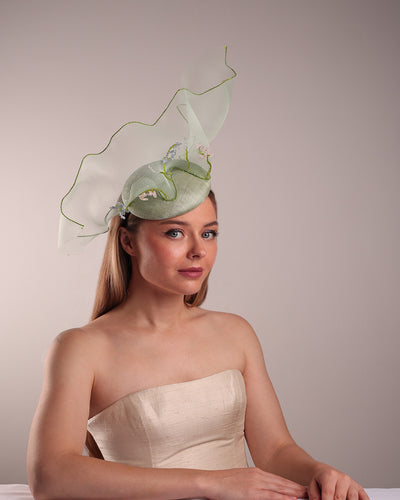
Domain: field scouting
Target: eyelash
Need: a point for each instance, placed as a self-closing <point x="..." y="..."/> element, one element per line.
<point x="212" y="232"/>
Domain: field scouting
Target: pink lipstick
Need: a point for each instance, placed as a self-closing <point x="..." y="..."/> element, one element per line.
<point x="191" y="272"/>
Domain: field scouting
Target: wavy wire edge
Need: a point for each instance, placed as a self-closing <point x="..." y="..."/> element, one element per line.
<point x="138" y="123"/>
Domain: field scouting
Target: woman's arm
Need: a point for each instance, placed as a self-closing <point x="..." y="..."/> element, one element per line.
<point x="324" y="482"/>
<point x="271" y="446"/>
<point x="57" y="469"/>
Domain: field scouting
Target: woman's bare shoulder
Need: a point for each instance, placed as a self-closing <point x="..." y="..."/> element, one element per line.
<point x="86" y="341"/>
<point x="94" y="332"/>
<point x="77" y="336"/>
<point x="222" y="317"/>
<point x="71" y="336"/>
<point x="231" y="324"/>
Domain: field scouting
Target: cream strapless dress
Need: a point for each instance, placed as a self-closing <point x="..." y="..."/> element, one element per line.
<point x="197" y="424"/>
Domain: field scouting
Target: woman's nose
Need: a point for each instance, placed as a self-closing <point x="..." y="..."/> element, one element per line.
<point x="197" y="249"/>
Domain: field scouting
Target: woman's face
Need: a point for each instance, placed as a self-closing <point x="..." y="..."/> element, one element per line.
<point x="176" y="255"/>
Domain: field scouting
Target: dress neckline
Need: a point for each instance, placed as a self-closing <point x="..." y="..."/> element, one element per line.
<point x="160" y="387"/>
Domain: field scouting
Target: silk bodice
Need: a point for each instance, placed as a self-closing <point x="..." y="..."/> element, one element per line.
<point x="196" y="424"/>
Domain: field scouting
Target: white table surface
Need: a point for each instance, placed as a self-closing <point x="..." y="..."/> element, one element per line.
<point x="22" y="492"/>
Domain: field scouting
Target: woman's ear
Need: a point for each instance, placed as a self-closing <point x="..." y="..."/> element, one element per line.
<point x="127" y="241"/>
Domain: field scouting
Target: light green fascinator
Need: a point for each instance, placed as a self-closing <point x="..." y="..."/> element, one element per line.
<point x="158" y="170"/>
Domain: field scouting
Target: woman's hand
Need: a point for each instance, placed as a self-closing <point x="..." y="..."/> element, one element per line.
<point x="331" y="484"/>
<point x="253" y="484"/>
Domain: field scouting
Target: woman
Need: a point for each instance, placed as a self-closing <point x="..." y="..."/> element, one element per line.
<point x="170" y="390"/>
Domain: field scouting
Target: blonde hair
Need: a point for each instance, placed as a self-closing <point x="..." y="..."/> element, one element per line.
<point x="116" y="269"/>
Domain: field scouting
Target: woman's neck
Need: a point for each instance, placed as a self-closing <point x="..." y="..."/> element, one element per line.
<point x="151" y="307"/>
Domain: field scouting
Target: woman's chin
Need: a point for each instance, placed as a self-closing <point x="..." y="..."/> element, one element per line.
<point x="190" y="289"/>
<point x="179" y="289"/>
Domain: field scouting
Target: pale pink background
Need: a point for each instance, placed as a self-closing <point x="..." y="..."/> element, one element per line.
<point x="307" y="176"/>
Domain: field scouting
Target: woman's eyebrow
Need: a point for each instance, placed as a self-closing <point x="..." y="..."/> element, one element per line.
<point x="180" y="222"/>
<point x="184" y="223"/>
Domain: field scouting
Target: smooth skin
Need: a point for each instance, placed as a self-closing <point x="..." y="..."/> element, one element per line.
<point x="153" y="339"/>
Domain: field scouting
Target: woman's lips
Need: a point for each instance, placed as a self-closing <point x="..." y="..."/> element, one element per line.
<point x="191" y="272"/>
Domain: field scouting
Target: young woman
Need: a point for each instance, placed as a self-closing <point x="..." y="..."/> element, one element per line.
<point x="167" y="390"/>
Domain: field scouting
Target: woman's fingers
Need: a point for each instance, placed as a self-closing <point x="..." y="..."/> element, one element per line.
<point x="328" y="488"/>
<point x="272" y="495"/>
<point x="331" y="484"/>
<point x="362" y="494"/>
<point x="342" y="491"/>
<point x="352" y="493"/>
<point x="253" y="483"/>
<point x="334" y="485"/>
<point x="314" y="492"/>
<point x="282" y="485"/>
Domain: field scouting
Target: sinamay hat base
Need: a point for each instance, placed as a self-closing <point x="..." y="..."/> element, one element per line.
<point x="158" y="170"/>
<point x="177" y="192"/>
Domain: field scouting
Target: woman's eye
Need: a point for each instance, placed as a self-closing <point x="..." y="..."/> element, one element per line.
<point x="209" y="235"/>
<point x="174" y="233"/>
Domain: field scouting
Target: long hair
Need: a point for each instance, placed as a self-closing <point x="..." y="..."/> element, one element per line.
<point x="116" y="269"/>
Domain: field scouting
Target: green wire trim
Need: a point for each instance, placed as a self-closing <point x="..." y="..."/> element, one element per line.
<point x="164" y="195"/>
<point x="187" y="159"/>
<point x="147" y="125"/>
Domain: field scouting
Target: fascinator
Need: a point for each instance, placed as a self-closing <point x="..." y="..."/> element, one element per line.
<point x="156" y="170"/>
